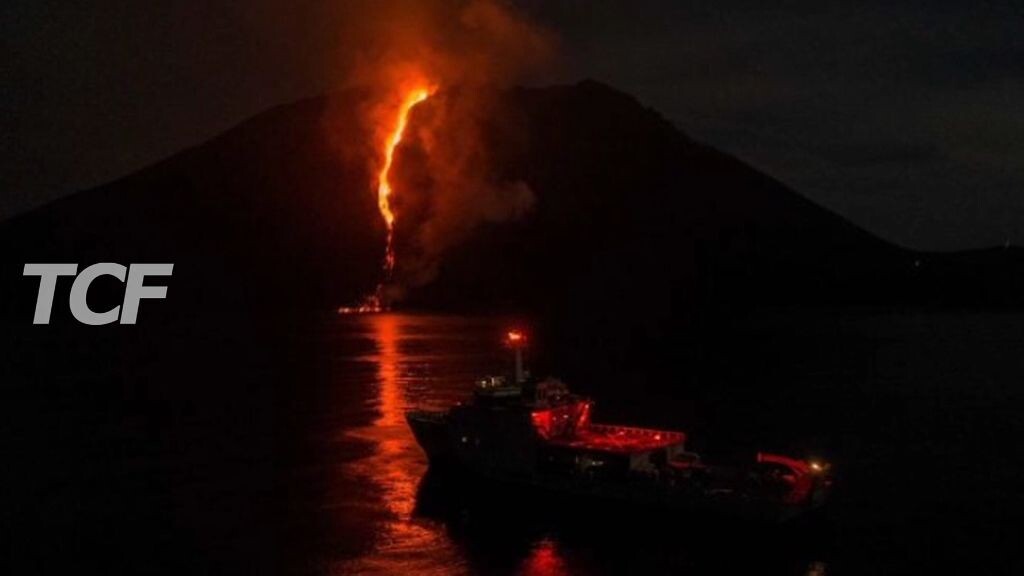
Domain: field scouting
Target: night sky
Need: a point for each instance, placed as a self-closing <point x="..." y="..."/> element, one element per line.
<point x="907" y="119"/>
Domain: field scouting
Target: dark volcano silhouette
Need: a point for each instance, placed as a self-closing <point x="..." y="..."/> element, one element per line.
<point x="266" y="215"/>
<point x="630" y="213"/>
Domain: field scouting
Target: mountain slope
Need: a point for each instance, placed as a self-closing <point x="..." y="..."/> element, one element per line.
<point x="629" y="212"/>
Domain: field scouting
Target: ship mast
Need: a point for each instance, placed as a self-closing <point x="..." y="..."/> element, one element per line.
<point x="516" y="340"/>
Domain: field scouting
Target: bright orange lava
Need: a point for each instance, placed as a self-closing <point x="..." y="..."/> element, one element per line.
<point x="376" y="302"/>
<point x="384" y="189"/>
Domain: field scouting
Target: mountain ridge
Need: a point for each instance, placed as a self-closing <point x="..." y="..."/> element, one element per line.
<point x="273" y="196"/>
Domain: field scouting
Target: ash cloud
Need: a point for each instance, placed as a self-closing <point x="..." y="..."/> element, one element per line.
<point x="445" y="185"/>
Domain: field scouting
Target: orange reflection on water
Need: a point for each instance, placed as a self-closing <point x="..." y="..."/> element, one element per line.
<point x="396" y="465"/>
<point x="544" y="560"/>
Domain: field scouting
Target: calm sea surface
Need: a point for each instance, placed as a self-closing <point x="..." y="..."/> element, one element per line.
<point x="190" y="449"/>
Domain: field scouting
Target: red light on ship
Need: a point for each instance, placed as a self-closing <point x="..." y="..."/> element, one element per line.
<point x="515" y="338"/>
<point x="542" y="423"/>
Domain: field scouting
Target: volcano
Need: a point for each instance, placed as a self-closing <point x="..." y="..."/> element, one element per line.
<point x="630" y="214"/>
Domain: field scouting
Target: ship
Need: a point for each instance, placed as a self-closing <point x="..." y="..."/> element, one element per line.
<point x="536" y="434"/>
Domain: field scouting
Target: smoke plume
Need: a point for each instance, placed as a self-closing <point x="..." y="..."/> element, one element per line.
<point x="465" y="52"/>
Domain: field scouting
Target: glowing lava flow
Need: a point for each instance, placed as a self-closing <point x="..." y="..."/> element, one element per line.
<point x="384" y="189"/>
<point x="375" y="302"/>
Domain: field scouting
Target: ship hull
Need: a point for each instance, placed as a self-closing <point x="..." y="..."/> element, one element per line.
<point x="468" y="482"/>
<point x="633" y="496"/>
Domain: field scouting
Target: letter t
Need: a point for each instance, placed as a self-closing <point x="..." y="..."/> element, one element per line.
<point x="48" y="274"/>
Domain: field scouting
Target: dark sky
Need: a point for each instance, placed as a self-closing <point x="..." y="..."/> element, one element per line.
<point x="906" y="117"/>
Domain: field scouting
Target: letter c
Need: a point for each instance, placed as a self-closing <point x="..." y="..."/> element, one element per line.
<point x="79" y="307"/>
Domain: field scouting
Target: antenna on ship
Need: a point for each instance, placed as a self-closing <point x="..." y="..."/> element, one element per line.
<point x="516" y="340"/>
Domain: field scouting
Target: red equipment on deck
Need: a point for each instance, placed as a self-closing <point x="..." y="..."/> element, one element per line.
<point x="569" y="425"/>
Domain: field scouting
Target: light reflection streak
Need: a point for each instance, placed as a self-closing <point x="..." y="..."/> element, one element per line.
<point x="403" y="544"/>
<point x="544" y="560"/>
